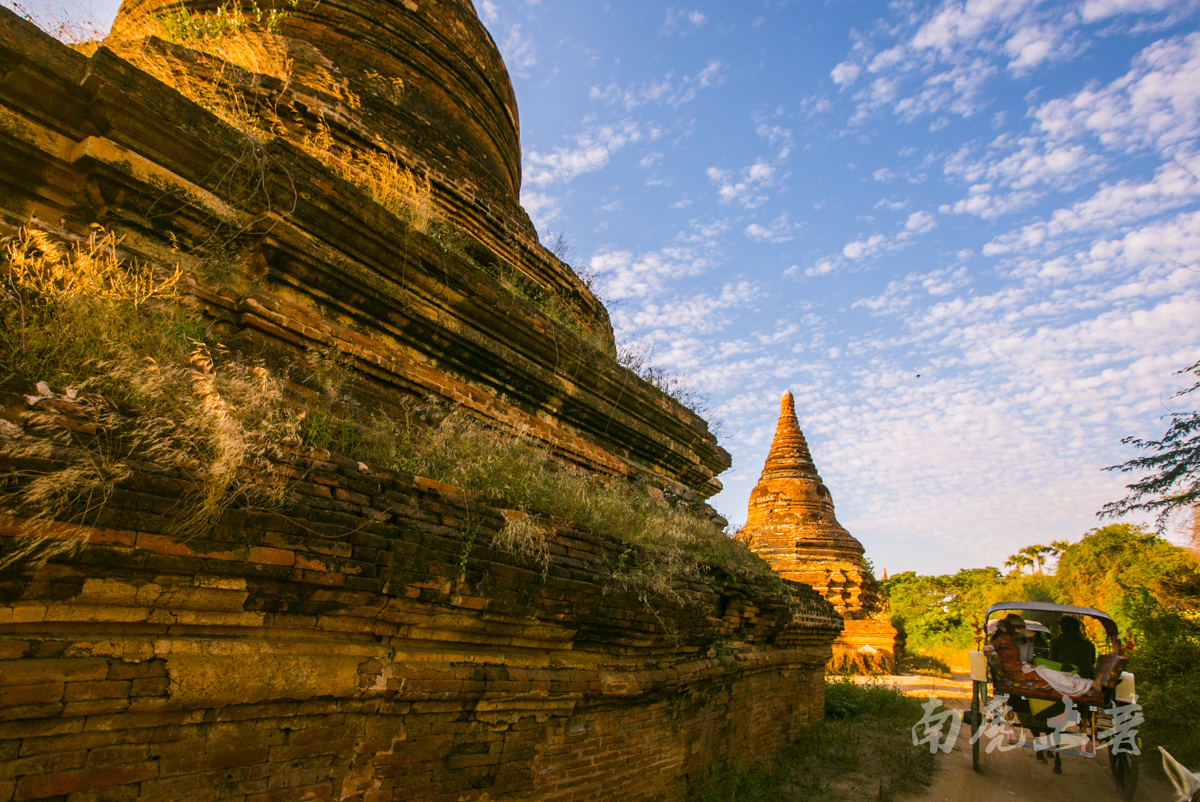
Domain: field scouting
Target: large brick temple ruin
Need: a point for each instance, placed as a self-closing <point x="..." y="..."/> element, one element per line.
<point x="370" y="640"/>
<point x="791" y="524"/>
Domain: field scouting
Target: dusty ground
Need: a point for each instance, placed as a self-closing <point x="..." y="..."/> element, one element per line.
<point x="1017" y="775"/>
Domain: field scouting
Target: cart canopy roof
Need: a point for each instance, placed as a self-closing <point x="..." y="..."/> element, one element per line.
<point x="1110" y="626"/>
<point x="1034" y="626"/>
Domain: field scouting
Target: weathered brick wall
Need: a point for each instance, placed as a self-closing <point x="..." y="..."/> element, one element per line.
<point x="305" y="259"/>
<point x="369" y="642"/>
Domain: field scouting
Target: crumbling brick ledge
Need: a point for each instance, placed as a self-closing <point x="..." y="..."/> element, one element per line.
<point x="345" y="648"/>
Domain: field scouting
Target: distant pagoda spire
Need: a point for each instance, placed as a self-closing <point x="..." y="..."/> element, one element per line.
<point x="790" y="523"/>
<point x="791" y="510"/>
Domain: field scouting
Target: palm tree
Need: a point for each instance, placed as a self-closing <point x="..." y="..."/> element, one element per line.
<point x="1018" y="561"/>
<point x="1057" y="547"/>
<point x="1036" y="554"/>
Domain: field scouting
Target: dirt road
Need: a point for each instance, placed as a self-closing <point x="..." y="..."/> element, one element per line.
<point x="1018" y="775"/>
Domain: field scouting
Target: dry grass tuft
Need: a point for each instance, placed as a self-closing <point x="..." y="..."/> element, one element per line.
<point x="851" y="663"/>
<point x="64" y="307"/>
<point x="145" y="388"/>
<point x="680" y="537"/>
<point x="393" y="187"/>
<point x="639" y="358"/>
<point x="69" y="21"/>
<point x="247" y="40"/>
<point x="138" y="390"/>
<point x="241" y="41"/>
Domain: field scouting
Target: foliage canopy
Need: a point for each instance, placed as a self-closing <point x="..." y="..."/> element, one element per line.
<point x="1173" y="483"/>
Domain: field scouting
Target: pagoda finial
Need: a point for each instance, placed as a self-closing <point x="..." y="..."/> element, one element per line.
<point x="789" y="457"/>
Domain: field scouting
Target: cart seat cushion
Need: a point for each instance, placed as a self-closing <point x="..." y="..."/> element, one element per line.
<point x="1028" y="684"/>
<point x="1040" y="691"/>
<point x="1108" y="669"/>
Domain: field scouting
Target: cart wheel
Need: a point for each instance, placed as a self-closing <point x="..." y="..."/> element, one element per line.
<point x="1124" y="768"/>
<point x="976" y="720"/>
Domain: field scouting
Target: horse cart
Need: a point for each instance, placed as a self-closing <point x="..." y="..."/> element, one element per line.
<point x="1084" y="724"/>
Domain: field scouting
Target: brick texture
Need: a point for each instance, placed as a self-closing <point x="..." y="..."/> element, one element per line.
<point x="174" y="671"/>
<point x="369" y="641"/>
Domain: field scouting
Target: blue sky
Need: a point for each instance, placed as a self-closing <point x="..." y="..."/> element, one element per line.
<point x="966" y="236"/>
<point x="957" y="232"/>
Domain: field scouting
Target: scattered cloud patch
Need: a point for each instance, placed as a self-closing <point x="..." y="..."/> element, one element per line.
<point x="780" y="230"/>
<point x="1155" y="106"/>
<point x="668" y="90"/>
<point x="845" y="73"/>
<point x="621" y="275"/>
<point x="682" y="22"/>
<point x="519" y="51"/>
<point x="592" y="151"/>
<point x="746" y="189"/>
<point x="542" y="209"/>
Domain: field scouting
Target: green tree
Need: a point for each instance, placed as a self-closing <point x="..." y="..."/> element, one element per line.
<point x="1117" y="568"/>
<point x="1173" y="483"/>
<point x="1152" y="589"/>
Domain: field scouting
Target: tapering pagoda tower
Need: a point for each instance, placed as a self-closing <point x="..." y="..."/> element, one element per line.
<point x="791" y="524"/>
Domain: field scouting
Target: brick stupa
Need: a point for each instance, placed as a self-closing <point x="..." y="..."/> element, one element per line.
<point x="791" y="524"/>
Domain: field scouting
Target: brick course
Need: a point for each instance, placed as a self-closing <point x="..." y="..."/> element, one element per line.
<point x="190" y="670"/>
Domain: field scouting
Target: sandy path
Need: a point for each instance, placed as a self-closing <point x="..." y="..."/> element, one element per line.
<point x="1018" y="774"/>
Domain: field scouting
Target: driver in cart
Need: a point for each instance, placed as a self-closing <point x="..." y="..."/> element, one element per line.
<point x="1071" y="648"/>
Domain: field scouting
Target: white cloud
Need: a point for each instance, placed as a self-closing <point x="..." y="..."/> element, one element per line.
<point x="845" y="73"/>
<point x="491" y="11"/>
<point x="1156" y="105"/>
<point x="665" y="90"/>
<point x="1111" y="206"/>
<point x="682" y="21"/>
<point x="938" y="61"/>
<point x="916" y="224"/>
<point x="920" y="223"/>
<point x="981" y="202"/>
<point x="622" y="275"/>
<point x="593" y="150"/>
<point x="697" y="314"/>
<point x="1030" y="46"/>
<point x="746" y="190"/>
<point x="883" y="174"/>
<point x="780" y="230"/>
<point x="691" y="85"/>
<point x="864" y="247"/>
<point x="1094" y="10"/>
<point x="822" y="267"/>
<point x="777" y="135"/>
<point x="900" y="294"/>
<point x="541" y="208"/>
<point x="887" y="59"/>
<point x="519" y="51"/>
<point x="633" y="96"/>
